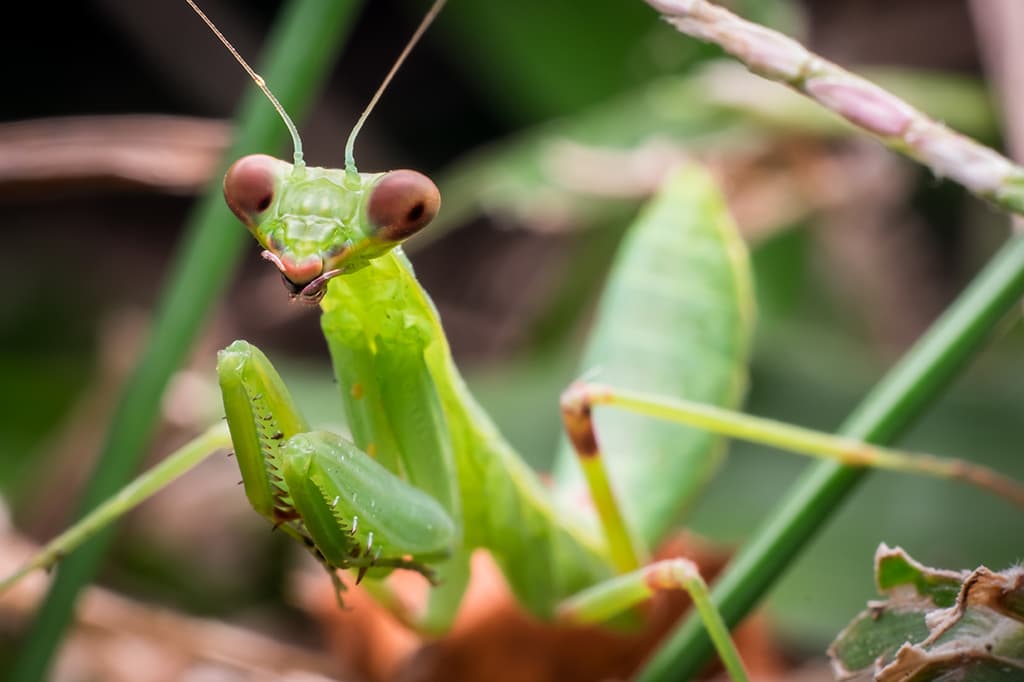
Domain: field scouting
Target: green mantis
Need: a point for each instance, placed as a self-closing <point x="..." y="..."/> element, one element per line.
<point x="405" y="492"/>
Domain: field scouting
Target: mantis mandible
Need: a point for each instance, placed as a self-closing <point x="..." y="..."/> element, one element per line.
<point x="425" y="477"/>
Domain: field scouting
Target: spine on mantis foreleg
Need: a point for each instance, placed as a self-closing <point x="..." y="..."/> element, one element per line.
<point x="323" y="490"/>
<point x="359" y="513"/>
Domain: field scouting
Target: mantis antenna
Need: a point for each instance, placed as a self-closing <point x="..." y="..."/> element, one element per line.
<point x="350" y="163"/>
<point x="260" y="83"/>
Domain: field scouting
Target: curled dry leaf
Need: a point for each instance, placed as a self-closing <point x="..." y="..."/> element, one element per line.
<point x="935" y="624"/>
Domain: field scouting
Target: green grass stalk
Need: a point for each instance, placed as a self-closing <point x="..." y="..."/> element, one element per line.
<point x="304" y="45"/>
<point x="896" y="401"/>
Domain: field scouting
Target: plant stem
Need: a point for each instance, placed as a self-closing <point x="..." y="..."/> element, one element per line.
<point x="892" y="121"/>
<point x="304" y="45"/>
<point x="902" y="396"/>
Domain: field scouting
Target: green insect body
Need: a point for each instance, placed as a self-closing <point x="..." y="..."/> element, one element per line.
<point x="426" y="478"/>
<point x="404" y="400"/>
<point x="504" y="507"/>
<point x="332" y="234"/>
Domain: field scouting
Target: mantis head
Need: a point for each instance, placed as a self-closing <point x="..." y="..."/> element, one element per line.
<point x="316" y="224"/>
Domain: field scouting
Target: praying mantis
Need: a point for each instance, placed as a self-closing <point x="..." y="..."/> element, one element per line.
<point x="426" y="477"/>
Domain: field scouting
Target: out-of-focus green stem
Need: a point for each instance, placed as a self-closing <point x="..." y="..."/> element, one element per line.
<point x="301" y="50"/>
<point x="906" y="391"/>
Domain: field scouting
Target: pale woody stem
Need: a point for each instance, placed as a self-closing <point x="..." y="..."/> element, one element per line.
<point x="895" y="123"/>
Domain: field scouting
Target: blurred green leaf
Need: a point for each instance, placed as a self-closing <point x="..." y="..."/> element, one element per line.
<point x="598" y="163"/>
<point x="537" y="59"/>
<point x="675" y="319"/>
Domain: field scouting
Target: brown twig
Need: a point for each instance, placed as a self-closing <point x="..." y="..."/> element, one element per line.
<point x="174" y="154"/>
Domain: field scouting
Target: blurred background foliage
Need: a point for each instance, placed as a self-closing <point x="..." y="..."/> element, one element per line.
<point x="545" y="126"/>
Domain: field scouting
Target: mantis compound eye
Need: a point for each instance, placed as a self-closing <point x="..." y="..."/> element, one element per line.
<point x="249" y="186"/>
<point x="401" y="204"/>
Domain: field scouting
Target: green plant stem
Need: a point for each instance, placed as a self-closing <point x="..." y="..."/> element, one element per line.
<point x="303" y="47"/>
<point x="902" y="396"/>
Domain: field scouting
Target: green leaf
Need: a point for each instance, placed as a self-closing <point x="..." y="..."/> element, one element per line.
<point x="675" y="319"/>
<point x="573" y="170"/>
<point x="600" y="161"/>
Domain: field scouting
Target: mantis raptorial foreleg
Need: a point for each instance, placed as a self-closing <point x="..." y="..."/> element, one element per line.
<point x="313" y="485"/>
<point x="333" y="485"/>
<point x="320" y="488"/>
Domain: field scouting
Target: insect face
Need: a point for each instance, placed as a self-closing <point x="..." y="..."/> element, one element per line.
<point x="316" y="223"/>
